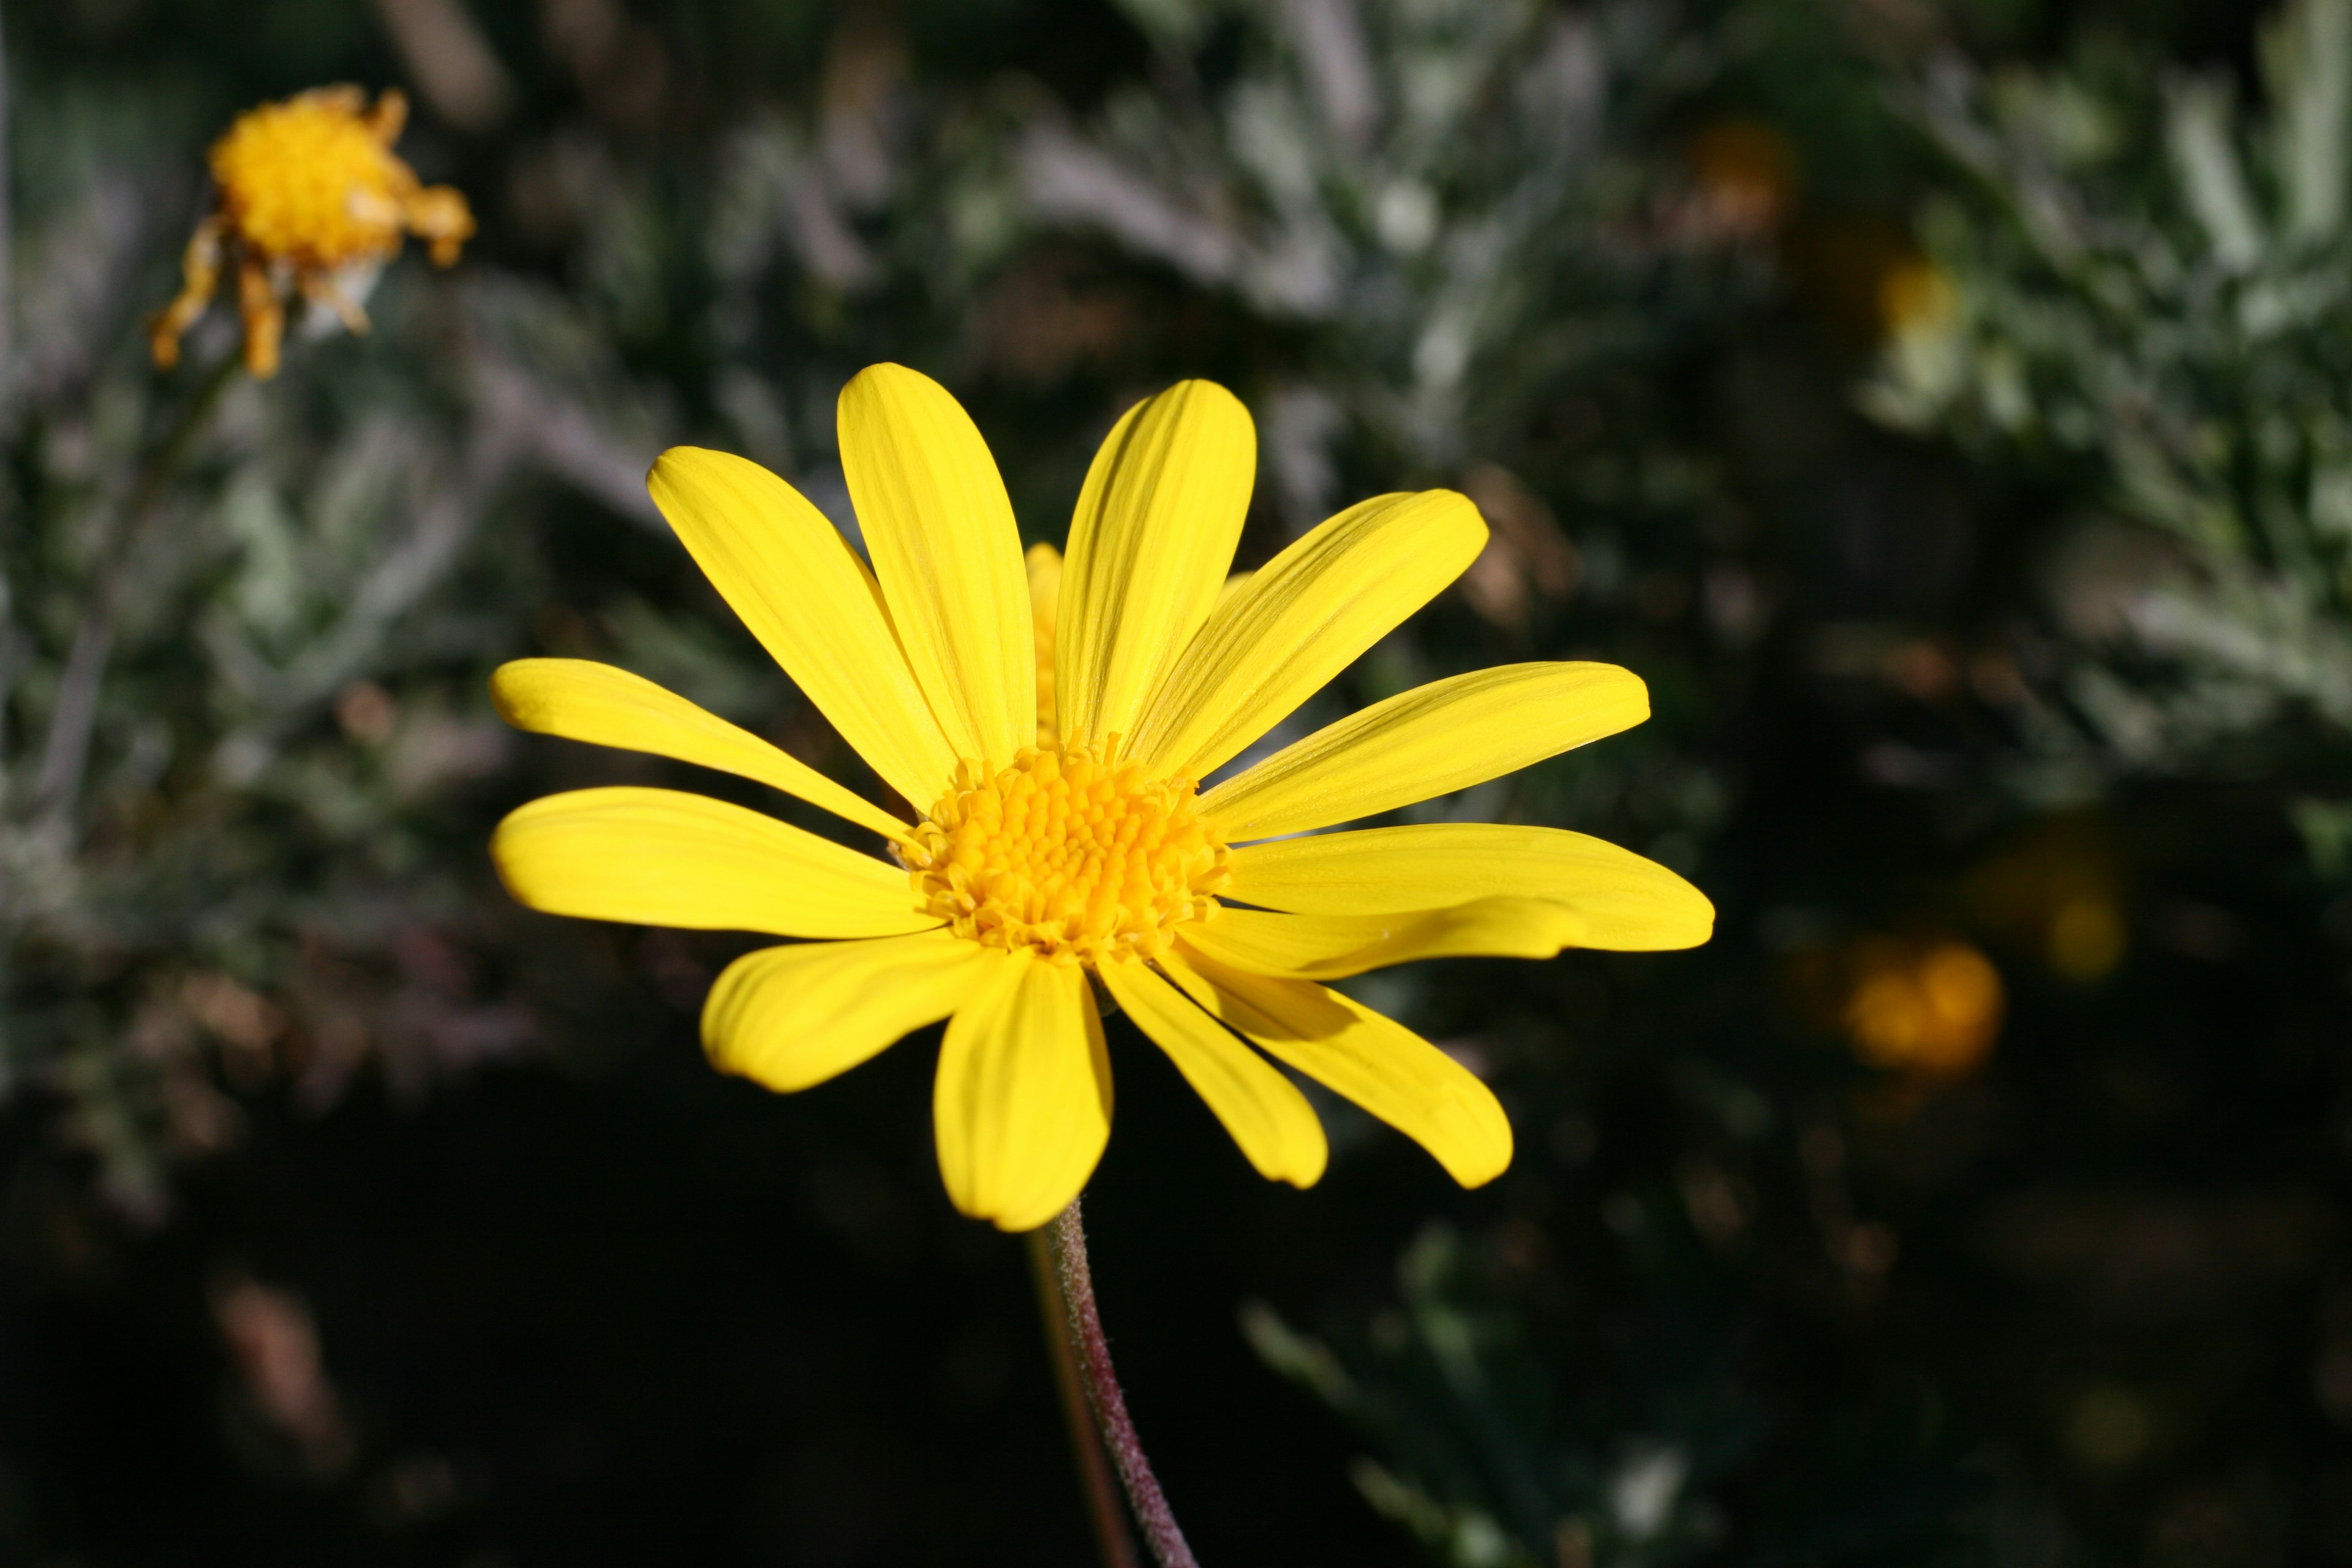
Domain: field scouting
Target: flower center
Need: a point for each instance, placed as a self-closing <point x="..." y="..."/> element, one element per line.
<point x="1081" y="859"/>
<point x="310" y="181"/>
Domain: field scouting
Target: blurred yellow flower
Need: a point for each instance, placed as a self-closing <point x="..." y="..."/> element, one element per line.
<point x="1915" y="299"/>
<point x="2059" y="892"/>
<point x="1067" y="843"/>
<point x="310" y="199"/>
<point x="2086" y="939"/>
<point x="1933" y="1008"/>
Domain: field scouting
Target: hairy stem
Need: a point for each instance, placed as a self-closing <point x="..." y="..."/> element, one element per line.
<point x="1103" y="1511"/>
<point x="1067" y="1238"/>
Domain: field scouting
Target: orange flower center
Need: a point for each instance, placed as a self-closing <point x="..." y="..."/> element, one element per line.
<point x="1083" y="861"/>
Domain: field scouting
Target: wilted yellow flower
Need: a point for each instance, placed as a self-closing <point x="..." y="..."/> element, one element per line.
<point x="309" y="198"/>
<point x="1933" y="1008"/>
<point x="1058" y="856"/>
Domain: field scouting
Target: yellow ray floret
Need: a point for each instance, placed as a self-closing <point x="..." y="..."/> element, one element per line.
<point x="794" y="1016"/>
<point x="1047" y="720"/>
<point x="1628" y="904"/>
<point x="1332" y="947"/>
<point x="658" y="856"/>
<point x="1022" y="1105"/>
<point x="1045" y="565"/>
<point x="583" y="700"/>
<point x="309" y="200"/>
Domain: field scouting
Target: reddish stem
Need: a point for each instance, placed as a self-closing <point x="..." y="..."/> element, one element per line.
<point x="1111" y="1538"/>
<point x="1069" y="1240"/>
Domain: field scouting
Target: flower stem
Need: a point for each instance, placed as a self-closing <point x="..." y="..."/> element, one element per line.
<point x="1086" y="1443"/>
<point x="65" y="750"/>
<point x="1067" y="1238"/>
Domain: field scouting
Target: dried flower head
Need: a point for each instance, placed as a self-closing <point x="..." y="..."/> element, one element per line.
<point x="309" y="198"/>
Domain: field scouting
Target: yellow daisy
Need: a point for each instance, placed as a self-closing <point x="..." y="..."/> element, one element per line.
<point x="310" y="199"/>
<point x="1054" y="719"/>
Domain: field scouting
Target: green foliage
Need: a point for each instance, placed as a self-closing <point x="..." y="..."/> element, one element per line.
<point x="2152" y="289"/>
<point x="1497" y="1459"/>
<point x="1460" y="209"/>
<point x="235" y="693"/>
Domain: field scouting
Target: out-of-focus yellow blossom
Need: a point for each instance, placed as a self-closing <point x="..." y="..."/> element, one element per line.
<point x="2085" y="940"/>
<point x="1916" y="299"/>
<point x="310" y="199"/>
<point x="1933" y="1008"/>
<point x="2058" y="892"/>
<point x="1920" y="323"/>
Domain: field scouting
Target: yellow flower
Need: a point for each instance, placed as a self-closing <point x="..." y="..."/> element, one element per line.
<point x="1933" y="1008"/>
<point x="310" y="198"/>
<point x="1916" y="299"/>
<point x="1085" y="848"/>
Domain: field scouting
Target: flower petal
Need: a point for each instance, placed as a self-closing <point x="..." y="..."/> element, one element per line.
<point x="580" y="700"/>
<point x="1431" y="741"/>
<point x="660" y="856"/>
<point x="792" y="1017"/>
<point x="1021" y="1107"/>
<point x="1300" y="620"/>
<point x="945" y="548"/>
<point x="808" y="598"/>
<point x="1155" y="529"/>
<point x="1629" y="904"/>
<point x="1354" y="1051"/>
<point x="1276" y="1128"/>
<point x="1044" y="566"/>
<point x="1331" y="947"/>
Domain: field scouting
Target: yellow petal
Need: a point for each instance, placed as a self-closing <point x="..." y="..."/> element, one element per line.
<point x="1354" y="1051"/>
<point x="1264" y="1111"/>
<point x="808" y="598"/>
<point x="1331" y="947"/>
<point x="1428" y="742"/>
<point x="660" y="856"/>
<point x="941" y="531"/>
<point x="1300" y="620"/>
<point x="583" y="700"/>
<point x="1628" y="904"/>
<point x="1021" y="1108"/>
<point x="1155" y="529"/>
<point x="791" y="1017"/>
<point x="1045" y="565"/>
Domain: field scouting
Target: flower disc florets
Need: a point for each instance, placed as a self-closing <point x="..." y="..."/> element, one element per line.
<point x="1082" y="859"/>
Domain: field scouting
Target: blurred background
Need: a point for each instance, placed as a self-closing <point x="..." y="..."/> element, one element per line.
<point x="1945" y="404"/>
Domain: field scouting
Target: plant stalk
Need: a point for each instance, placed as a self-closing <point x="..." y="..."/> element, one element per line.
<point x="65" y="750"/>
<point x="1067" y="1238"/>
<point x="1103" y="1510"/>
